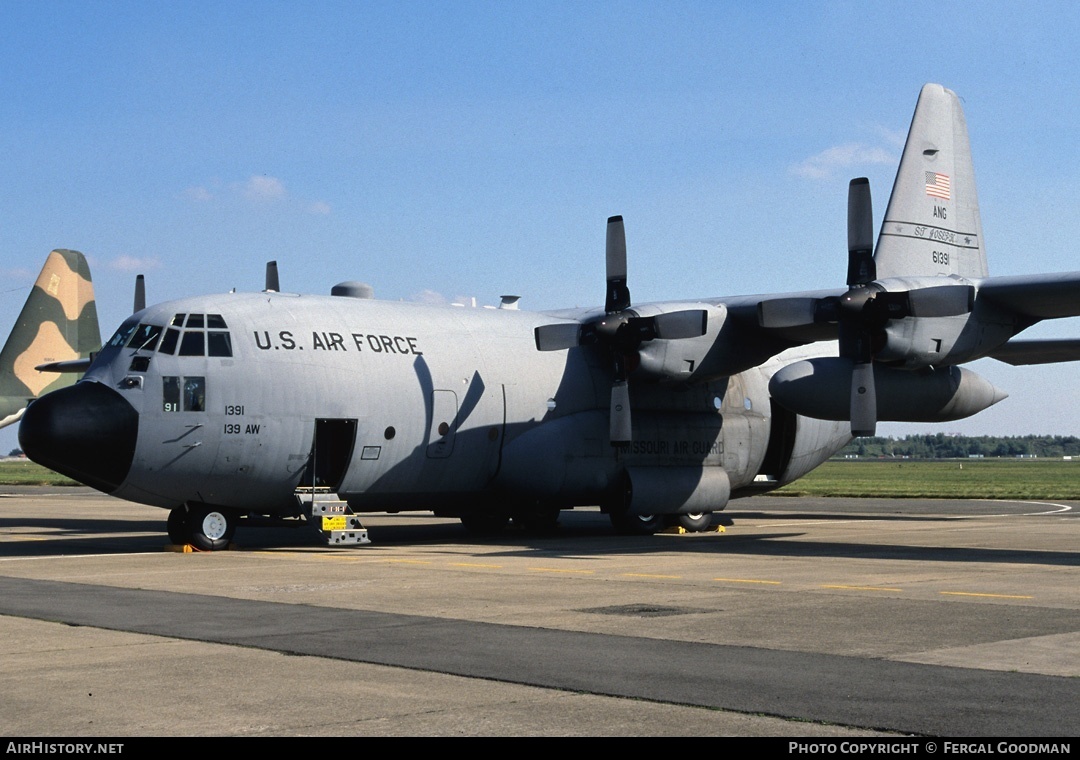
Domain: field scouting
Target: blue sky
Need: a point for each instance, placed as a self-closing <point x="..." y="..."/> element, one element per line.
<point x="451" y="150"/>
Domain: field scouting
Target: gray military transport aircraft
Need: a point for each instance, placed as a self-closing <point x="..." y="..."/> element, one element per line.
<point x="225" y="408"/>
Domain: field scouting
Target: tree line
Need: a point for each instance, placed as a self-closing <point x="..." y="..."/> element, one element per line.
<point x="941" y="446"/>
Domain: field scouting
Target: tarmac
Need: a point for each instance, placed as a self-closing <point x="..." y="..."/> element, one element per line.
<point x="792" y="618"/>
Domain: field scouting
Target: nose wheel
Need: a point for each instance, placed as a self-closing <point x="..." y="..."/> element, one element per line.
<point x="205" y="527"/>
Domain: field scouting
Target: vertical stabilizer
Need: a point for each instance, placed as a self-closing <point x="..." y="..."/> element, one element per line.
<point x="58" y="323"/>
<point x="932" y="224"/>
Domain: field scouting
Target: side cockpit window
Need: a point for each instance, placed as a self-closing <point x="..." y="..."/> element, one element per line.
<point x="218" y="343"/>
<point x="122" y="335"/>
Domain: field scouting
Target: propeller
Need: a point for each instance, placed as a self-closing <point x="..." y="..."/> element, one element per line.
<point x="621" y="331"/>
<point x="863" y="312"/>
<point x="856" y="332"/>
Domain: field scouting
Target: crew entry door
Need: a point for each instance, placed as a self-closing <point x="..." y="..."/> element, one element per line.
<point x="331" y="452"/>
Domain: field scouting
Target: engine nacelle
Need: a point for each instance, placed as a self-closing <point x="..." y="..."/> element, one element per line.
<point x="680" y="360"/>
<point x="924" y="339"/>
<point x="821" y="388"/>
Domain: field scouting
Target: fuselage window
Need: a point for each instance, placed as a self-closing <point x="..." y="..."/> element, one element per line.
<point x="194" y="394"/>
<point x="218" y="343"/>
<point x="194" y="320"/>
<point x="170" y="394"/>
<point x="193" y="344"/>
<point x="178" y="320"/>
<point x="168" y="343"/>
<point x="215" y="321"/>
<point x="139" y="364"/>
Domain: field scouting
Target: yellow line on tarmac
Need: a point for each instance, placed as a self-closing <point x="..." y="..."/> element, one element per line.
<point x="748" y="580"/>
<point x="410" y="561"/>
<point x="557" y="570"/>
<point x="991" y="596"/>
<point x="862" y="588"/>
<point x="475" y="564"/>
<point x="648" y="575"/>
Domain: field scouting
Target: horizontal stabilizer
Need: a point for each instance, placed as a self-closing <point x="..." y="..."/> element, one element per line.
<point x="73" y="365"/>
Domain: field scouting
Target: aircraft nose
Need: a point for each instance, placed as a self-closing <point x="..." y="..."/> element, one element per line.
<point x="86" y="431"/>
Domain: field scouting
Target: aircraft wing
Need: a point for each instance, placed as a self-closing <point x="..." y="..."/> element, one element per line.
<point x="1021" y="352"/>
<point x="1041" y="296"/>
<point x="1031" y="298"/>
<point x="783" y="316"/>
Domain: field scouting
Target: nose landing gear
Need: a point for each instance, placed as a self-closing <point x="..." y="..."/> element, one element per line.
<point x="204" y="527"/>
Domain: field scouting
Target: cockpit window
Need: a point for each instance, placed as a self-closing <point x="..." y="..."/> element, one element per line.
<point x="193" y="343"/>
<point x="145" y="338"/>
<point x="123" y="333"/>
<point x="202" y="335"/>
<point x="218" y="343"/>
<point x="168" y="343"/>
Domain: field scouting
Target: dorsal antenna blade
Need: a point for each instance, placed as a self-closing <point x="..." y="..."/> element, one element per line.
<point x="272" y="285"/>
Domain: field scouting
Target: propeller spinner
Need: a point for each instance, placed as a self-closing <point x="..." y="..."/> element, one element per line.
<point x="620" y="330"/>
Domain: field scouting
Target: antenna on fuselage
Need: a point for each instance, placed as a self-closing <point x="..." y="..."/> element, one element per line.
<point x="140" y="293"/>
<point x="272" y="285"/>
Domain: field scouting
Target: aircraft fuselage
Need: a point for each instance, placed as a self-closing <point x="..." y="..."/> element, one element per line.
<point x="238" y="399"/>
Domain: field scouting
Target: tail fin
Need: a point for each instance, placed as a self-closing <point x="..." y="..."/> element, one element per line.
<point x="932" y="224"/>
<point x="58" y="323"/>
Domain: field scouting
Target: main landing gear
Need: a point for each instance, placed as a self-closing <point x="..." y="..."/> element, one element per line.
<point x="643" y="525"/>
<point x="204" y="527"/>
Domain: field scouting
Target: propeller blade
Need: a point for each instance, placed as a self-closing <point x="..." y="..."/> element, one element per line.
<point x="787" y="312"/>
<point x="861" y="267"/>
<point x="675" y="325"/>
<point x="272" y="285"/>
<point x="863" y="400"/>
<point x="557" y="336"/>
<point x="620" y="413"/>
<point x="140" y="293"/>
<point x="618" y="295"/>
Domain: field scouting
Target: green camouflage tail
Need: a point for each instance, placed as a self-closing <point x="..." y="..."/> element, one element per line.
<point x="58" y="323"/>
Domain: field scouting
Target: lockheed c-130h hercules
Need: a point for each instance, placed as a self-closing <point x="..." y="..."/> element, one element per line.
<point x="225" y="407"/>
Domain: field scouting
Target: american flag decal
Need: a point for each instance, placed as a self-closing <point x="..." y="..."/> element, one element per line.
<point x="938" y="185"/>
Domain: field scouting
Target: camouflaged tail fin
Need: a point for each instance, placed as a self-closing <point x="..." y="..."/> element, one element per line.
<point x="58" y="323"/>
